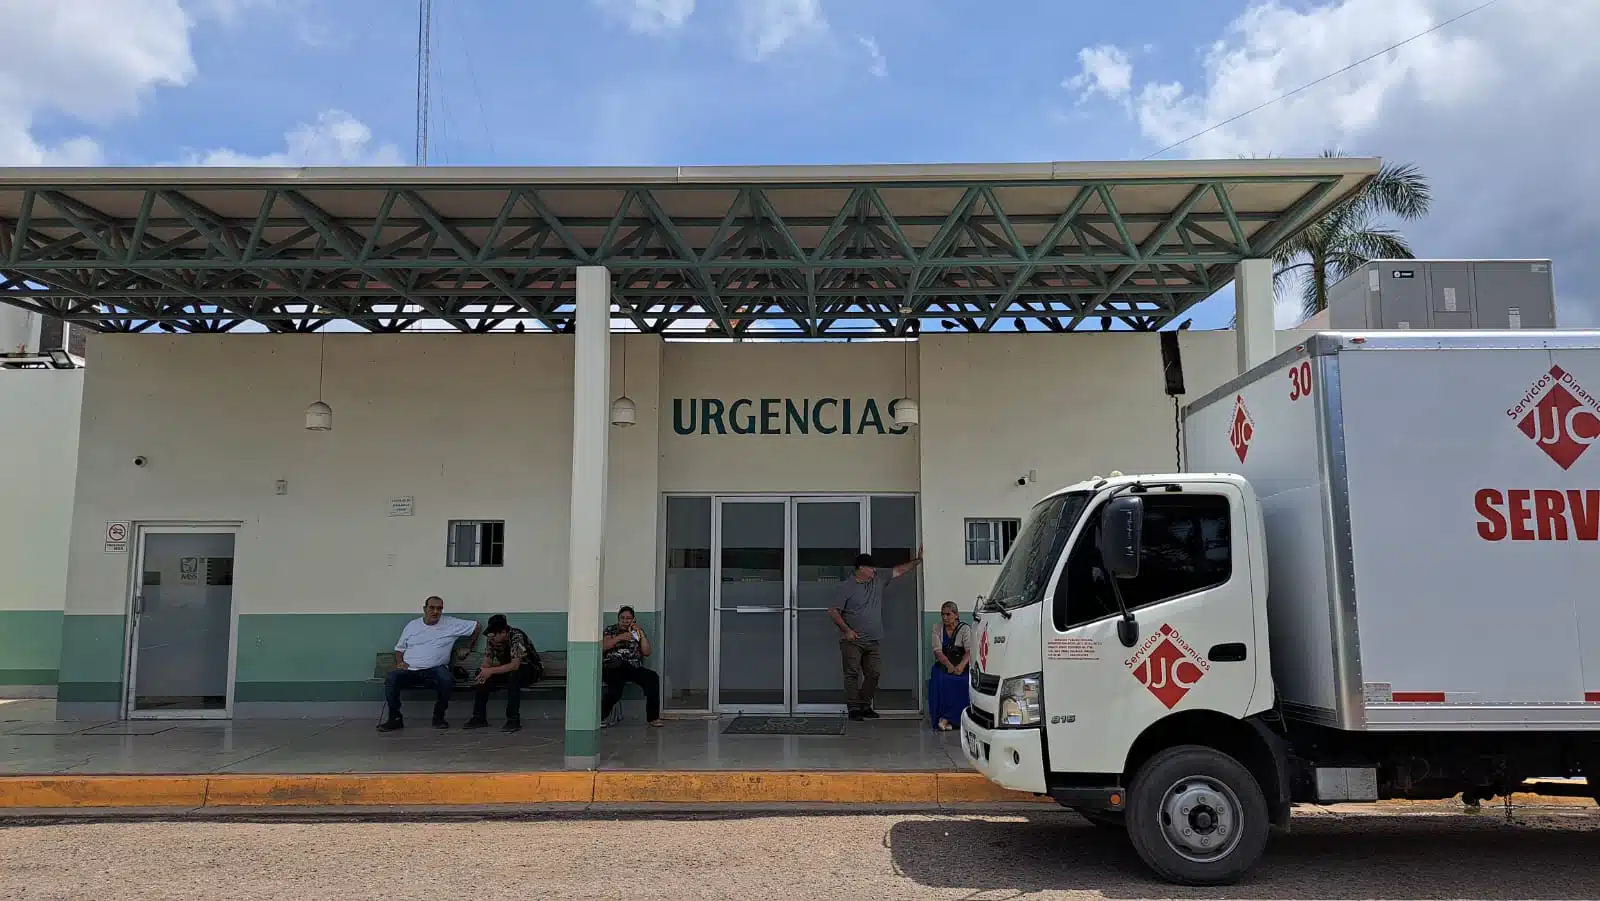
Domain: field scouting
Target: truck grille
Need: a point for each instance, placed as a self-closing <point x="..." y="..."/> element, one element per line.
<point x="980" y="718"/>
<point x="984" y="683"/>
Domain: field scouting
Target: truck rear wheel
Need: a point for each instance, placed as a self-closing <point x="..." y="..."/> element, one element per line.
<point x="1196" y="816"/>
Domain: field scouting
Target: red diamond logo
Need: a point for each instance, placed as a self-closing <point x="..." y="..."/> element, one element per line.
<point x="1167" y="666"/>
<point x="983" y="650"/>
<point x="1562" y="425"/>
<point x="1242" y="431"/>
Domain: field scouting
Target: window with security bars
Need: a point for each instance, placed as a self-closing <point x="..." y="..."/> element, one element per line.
<point x="476" y="542"/>
<point x="988" y="540"/>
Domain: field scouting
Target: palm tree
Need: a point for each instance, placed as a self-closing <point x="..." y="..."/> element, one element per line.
<point x="1348" y="236"/>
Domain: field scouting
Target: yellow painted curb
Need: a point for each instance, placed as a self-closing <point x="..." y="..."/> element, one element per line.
<point x="765" y="787"/>
<point x="444" y="789"/>
<point x="560" y="787"/>
<point x="102" y="791"/>
<point x="971" y="788"/>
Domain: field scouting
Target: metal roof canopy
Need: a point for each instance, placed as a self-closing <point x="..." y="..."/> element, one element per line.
<point x="788" y="252"/>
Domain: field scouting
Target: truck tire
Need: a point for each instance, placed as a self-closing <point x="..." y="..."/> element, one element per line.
<point x="1196" y="816"/>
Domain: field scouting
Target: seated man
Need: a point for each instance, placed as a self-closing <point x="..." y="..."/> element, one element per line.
<point x="422" y="660"/>
<point x="509" y="661"/>
<point x="623" y="650"/>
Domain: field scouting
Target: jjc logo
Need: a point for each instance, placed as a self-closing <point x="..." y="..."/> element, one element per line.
<point x="1242" y="431"/>
<point x="1167" y="666"/>
<point x="1560" y="416"/>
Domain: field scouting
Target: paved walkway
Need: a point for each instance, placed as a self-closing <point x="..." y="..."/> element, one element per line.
<point x="34" y="744"/>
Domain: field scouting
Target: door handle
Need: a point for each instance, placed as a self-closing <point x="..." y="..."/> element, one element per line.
<point x="1232" y="652"/>
<point x="138" y="604"/>
<point x="758" y="610"/>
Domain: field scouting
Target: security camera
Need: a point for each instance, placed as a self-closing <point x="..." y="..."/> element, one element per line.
<point x="1022" y="480"/>
<point x="140" y="461"/>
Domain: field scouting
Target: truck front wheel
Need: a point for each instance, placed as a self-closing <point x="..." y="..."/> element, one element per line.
<point x="1196" y="816"/>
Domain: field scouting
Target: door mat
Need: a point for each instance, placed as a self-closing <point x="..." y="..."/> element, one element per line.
<point x="785" y="725"/>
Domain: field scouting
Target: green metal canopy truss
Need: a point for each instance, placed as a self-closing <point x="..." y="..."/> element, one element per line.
<point x="760" y="252"/>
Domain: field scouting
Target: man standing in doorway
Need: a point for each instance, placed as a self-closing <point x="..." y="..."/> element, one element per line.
<point x="422" y="660"/>
<point x="858" y="612"/>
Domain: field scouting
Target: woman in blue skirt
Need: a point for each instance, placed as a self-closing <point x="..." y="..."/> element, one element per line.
<point x="952" y="654"/>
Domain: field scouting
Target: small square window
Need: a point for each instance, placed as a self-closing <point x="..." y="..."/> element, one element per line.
<point x="988" y="540"/>
<point x="476" y="542"/>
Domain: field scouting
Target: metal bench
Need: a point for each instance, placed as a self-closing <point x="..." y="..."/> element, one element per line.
<point x="552" y="683"/>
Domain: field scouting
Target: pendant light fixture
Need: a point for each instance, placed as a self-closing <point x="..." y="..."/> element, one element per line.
<point x="903" y="409"/>
<point x="319" y="416"/>
<point x="624" y="412"/>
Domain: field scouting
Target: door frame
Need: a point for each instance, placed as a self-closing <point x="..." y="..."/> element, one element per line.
<point x="130" y="662"/>
<point x="717" y="503"/>
<point x="792" y="591"/>
<point x="791" y="577"/>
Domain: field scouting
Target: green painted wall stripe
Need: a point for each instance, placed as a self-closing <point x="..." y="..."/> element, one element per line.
<point x="583" y="689"/>
<point x="342" y="647"/>
<point x="317" y="692"/>
<point x="91" y="650"/>
<point x="89" y="691"/>
<point x="28" y="676"/>
<point x="30" y="647"/>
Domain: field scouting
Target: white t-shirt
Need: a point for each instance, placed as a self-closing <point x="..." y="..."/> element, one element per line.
<point x="428" y="646"/>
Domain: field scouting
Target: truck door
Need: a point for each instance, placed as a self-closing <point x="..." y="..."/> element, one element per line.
<point x="1196" y="629"/>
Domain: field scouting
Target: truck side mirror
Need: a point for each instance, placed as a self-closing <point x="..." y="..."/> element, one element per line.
<point x="1121" y="536"/>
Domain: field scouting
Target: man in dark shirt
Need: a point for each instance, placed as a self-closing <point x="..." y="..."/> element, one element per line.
<point x="858" y="612"/>
<point x="510" y="662"/>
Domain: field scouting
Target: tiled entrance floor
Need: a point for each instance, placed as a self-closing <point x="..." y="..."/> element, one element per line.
<point x="33" y="743"/>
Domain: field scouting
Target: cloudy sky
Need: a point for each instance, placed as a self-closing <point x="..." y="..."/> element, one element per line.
<point x="1499" y="109"/>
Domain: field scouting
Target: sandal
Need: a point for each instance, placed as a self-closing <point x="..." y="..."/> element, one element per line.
<point x="658" y="723"/>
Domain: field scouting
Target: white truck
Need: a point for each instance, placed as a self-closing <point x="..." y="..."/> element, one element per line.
<point x="1379" y="579"/>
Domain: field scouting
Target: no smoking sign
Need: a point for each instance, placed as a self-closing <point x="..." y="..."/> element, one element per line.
<point x="116" y="538"/>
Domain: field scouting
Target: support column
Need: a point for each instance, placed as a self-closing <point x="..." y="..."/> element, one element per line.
<point x="591" y="372"/>
<point x="1253" y="303"/>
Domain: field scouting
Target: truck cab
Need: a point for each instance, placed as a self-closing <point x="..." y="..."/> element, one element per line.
<point x="1127" y="629"/>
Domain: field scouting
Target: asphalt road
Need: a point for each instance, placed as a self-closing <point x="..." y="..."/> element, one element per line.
<point x="750" y="857"/>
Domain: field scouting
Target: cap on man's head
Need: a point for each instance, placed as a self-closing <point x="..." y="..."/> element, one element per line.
<point x="497" y="624"/>
<point x="863" y="560"/>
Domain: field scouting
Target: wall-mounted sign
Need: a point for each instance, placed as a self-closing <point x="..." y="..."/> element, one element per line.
<point x="117" y="537"/>
<point x="402" y="506"/>
<point x="783" y="416"/>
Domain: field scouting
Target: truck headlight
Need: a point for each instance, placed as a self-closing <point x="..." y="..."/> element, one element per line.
<point x="1022" y="701"/>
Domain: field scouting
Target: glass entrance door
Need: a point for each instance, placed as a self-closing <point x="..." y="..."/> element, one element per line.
<point x="751" y="600"/>
<point x="182" y="624"/>
<point x="828" y="534"/>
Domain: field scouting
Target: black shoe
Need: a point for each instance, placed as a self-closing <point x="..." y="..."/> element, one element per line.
<point x="511" y="726"/>
<point x="870" y="714"/>
<point x="391" y="724"/>
<point x="857" y="716"/>
<point x="441" y="724"/>
<point x="476" y="722"/>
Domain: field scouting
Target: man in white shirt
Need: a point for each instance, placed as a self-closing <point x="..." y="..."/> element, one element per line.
<point x="422" y="660"/>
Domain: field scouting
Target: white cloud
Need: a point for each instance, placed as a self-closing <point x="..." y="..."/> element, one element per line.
<point x="1105" y="70"/>
<point x="1490" y="108"/>
<point x="767" y="26"/>
<point x="649" y="16"/>
<point x="880" y="65"/>
<point x="93" y="61"/>
<point x="335" y="139"/>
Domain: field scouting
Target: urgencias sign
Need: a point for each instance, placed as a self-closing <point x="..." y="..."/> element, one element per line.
<point x="783" y="416"/>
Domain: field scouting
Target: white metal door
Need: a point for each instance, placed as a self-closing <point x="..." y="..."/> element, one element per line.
<point x="182" y="624"/>
<point x="1196" y="641"/>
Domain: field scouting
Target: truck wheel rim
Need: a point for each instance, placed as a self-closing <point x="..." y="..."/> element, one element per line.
<point x="1200" y="819"/>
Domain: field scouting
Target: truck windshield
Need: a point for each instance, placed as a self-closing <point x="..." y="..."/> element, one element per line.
<point x="1033" y="555"/>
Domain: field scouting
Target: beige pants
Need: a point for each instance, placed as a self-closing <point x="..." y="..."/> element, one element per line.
<point x="862" y="665"/>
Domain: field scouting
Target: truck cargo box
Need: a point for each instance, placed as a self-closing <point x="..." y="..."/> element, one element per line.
<point x="1432" y="509"/>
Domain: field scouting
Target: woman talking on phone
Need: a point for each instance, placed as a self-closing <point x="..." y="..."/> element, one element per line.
<point x="623" y="648"/>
